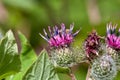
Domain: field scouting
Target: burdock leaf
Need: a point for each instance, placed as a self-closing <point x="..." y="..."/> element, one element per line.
<point x="27" y="57"/>
<point x="42" y="69"/>
<point x="9" y="58"/>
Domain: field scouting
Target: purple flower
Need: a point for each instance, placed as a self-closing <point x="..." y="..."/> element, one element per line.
<point x="60" y="37"/>
<point x="113" y="38"/>
<point x="92" y="44"/>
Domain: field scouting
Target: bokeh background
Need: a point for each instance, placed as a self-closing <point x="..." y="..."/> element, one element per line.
<point x="31" y="16"/>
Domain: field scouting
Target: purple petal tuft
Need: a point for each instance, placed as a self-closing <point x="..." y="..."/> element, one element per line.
<point x="60" y="37"/>
<point x="113" y="39"/>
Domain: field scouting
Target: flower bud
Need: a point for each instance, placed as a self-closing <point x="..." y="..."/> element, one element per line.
<point x="92" y="45"/>
<point x="104" y="68"/>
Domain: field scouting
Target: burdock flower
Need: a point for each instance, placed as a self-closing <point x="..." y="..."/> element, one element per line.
<point x="104" y="68"/>
<point x="113" y="43"/>
<point x="113" y="37"/>
<point x="60" y="37"/>
<point x="92" y="44"/>
<point x="61" y="53"/>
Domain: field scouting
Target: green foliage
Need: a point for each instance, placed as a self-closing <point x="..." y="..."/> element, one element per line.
<point x="62" y="69"/>
<point x="9" y="58"/>
<point x="80" y="71"/>
<point x="27" y="57"/>
<point x="27" y="66"/>
<point x="42" y="69"/>
<point x="117" y="77"/>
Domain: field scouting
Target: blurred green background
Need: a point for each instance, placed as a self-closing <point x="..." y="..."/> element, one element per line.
<point x="31" y="16"/>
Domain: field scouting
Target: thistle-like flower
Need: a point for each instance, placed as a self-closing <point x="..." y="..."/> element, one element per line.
<point x="61" y="53"/>
<point x="66" y="57"/>
<point x="92" y="44"/>
<point x="104" y="68"/>
<point x="113" y="37"/>
<point x="60" y="37"/>
<point x="113" y="43"/>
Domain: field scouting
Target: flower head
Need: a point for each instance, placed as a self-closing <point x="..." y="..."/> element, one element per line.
<point x="104" y="68"/>
<point x="92" y="44"/>
<point x="60" y="37"/>
<point x="113" y="38"/>
<point x="63" y="57"/>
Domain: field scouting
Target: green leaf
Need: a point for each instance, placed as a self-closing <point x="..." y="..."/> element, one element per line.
<point x="27" y="57"/>
<point x="64" y="76"/>
<point x="42" y="69"/>
<point x="63" y="72"/>
<point x="9" y="58"/>
<point x="117" y="76"/>
<point x="80" y="71"/>
<point x="62" y="69"/>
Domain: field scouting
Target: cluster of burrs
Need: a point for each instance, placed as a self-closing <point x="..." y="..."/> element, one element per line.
<point x="107" y="64"/>
<point x="102" y="53"/>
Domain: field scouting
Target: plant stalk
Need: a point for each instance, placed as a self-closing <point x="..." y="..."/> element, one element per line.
<point x="88" y="75"/>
